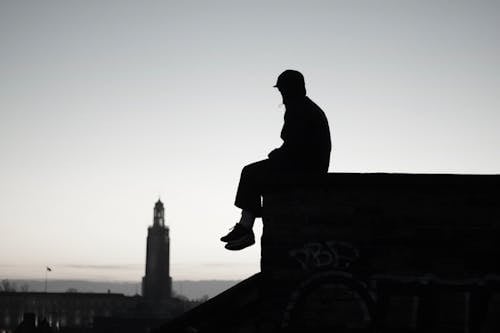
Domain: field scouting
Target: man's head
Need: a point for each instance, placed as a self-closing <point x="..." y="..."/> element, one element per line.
<point x="291" y="84"/>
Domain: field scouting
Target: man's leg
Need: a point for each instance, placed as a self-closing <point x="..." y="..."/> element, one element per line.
<point x="247" y="219"/>
<point x="254" y="178"/>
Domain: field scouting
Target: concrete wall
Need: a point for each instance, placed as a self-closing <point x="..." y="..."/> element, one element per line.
<point x="415" y="252"/>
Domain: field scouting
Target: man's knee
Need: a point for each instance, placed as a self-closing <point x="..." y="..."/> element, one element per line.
<point x="256" y="169"/>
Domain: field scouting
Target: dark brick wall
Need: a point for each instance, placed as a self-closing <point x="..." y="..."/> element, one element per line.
<point x="369" y="253"/>
<point x="424" y="247"/>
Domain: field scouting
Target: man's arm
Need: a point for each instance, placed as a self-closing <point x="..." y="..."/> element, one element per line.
<point x="294" y="142"/>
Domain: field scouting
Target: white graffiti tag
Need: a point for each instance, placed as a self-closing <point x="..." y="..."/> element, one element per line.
<point x="332" y="254"/>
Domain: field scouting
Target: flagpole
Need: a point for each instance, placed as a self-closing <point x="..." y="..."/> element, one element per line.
<point x="47" y="269"/>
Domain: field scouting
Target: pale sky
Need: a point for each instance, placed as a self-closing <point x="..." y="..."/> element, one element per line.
<point x="107" y="105"/>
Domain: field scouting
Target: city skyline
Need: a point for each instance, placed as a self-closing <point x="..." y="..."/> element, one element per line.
<point x="107" y="106"/>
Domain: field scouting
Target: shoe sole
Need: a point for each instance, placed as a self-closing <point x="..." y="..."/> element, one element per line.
<point x="240" y="244"/>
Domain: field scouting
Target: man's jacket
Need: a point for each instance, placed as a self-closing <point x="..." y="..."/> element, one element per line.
<point x="306" y="138"/>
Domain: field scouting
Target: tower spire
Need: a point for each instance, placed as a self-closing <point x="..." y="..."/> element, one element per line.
<point x="159" y="214"/>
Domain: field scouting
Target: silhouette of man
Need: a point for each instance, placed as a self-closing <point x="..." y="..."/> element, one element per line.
<point x="305" y="151"/>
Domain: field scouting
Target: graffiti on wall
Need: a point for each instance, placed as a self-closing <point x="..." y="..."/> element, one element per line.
<point x="330" y="254"/>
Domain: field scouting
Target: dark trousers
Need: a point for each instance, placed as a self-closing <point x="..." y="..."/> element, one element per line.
<point x="260" y="176"/>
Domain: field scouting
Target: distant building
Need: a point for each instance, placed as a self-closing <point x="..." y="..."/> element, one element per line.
<point x="157" y="283"/>
<point x="105" y="312"/>
<point x="61" y="310"/>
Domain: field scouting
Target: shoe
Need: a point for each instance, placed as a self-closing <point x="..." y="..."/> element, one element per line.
<point x="236" y="233"/>
<point x="242" y="242"/>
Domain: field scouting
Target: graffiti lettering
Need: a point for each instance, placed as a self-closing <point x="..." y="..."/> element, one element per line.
<point x="332" y="254"/>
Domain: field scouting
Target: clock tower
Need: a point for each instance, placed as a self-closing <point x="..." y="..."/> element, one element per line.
<point x="157" y="283"/>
